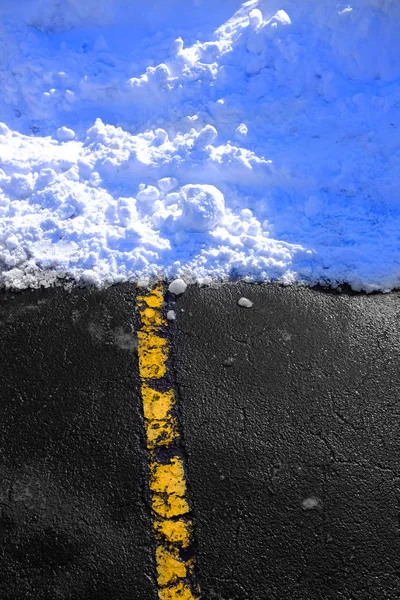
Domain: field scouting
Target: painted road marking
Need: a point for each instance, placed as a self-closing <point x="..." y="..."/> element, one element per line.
<point x="172" y="525"/>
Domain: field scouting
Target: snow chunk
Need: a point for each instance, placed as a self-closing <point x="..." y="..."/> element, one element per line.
<point x="203" y="207"/>
<point x="171" y="316"/>
<point x="149" y="195"/>
<point x="64" y="134"/>
<point x="281" y="19"/>
<point x="177" y="287"/>
<point x="245" y="302"/>
<point x="166" y="184"/>
<point x="256" y="18"/>
<point x="310" y="503"/>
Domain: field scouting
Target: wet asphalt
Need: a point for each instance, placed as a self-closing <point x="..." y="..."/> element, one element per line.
<point x="290" y="418"/>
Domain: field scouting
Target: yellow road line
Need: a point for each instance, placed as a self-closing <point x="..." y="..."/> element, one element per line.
<point x="172" y="525"/>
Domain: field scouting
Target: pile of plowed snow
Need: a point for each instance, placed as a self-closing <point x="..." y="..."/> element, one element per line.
<point x="200" y="139"/>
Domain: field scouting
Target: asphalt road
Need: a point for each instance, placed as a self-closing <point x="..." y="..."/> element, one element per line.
<point x="289" y="412"/>
<point x="74" y="522"/>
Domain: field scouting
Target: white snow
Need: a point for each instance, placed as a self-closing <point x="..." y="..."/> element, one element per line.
<point x="177" y="287"/>
<point x="245" y="302"/>
<point x="255" y="18"/>
<point x="64" y="134"/>
<point x="203" y="207"/>
<point x="200" y="139"/>
<point x="310" y="503"/>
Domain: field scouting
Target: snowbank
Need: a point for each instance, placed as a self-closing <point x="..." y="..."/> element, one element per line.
<point x="200" y="139"/>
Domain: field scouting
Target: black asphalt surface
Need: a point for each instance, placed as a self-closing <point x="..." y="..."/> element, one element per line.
<point x="290" y="419"/>
<point x="74" y="518"/>
<point x="291" y="414"/>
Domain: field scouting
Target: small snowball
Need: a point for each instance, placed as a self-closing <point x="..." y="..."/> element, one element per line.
<point x="167" y="184"/>
<point x="148" y="195"/>
<point x="310" y="503"/>
<point x="178" y="286"/>
<point x="171" y="316"/>
<point x="203" y="207"/>
<point x="64" y="134"/>
<point x="255" y="18"/>
<point x="245" y="302"/>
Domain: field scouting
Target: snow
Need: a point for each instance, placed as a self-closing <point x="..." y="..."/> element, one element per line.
<point x="177" y="287"/>
<point x="64" y="134"/>
<point x="203" y="207"/>
<point x="201" y="141"/>
<point x="245" y="302"/>
<point x="311" y="503"/>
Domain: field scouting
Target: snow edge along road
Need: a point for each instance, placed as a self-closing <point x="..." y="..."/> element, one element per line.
<point x="172" y="525"/>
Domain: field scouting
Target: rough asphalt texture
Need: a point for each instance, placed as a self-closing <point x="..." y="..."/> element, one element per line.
<point x="74" y="522"/>
<point x="290" y="413"/>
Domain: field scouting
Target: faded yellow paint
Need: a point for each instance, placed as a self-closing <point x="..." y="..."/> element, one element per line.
<point x="169" y="568"/>
<point x="172" y="527"/>
<point x="180" y="591"/>
<point x="161" y="433"/>
<point x="169" y="478"/>
<point x="153" y="353"/>
<point x="174" y="532"/>
<point x="154" y="299"/>
<point x="151" y="318"/>
<point x="157" y="405"/>
<point x="169" y="506"/>
<point x="149" y="340"/>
